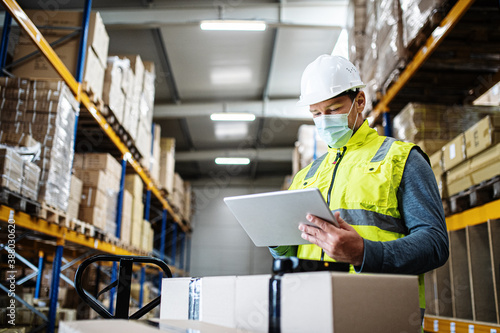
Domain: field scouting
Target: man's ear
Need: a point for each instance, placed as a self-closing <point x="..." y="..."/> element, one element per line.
<point x="360" y="102"/>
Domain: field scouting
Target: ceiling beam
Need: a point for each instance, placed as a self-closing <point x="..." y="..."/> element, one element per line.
<point x="328" y="15"/>
<point x="262" y="155"/>
<point x="285" y="108"/>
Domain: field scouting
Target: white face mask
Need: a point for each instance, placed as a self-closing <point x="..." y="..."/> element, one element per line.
<point x="334" y="128"/>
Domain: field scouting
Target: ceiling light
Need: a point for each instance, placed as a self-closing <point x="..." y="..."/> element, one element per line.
<point x="232" y="116"/>
<point x="232" y="160"/>
<point x="233" y="25"/>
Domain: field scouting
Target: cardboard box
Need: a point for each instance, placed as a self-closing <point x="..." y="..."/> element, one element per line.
<point x="104" y="162"/>
<point x="454" y="152"/>
<point x="482" y="135"/>
<point x="39" y="67"/>
<point x="136" y="232"/>
<point x="93" y="215"/>
<point x="329" y="302"/>
<point x="97" y="38"/>
<point x="310" y="302"/>
<point x="175" y="289"/>
<point x="486" y="165"/>
<point x="137" y="209"/>
<point x="30" y="180"/>
<point x="126" y="217"/>
<point x="431" y="146"/>
<point x="11" y="168"/>
<point x="94" y="197"/>
<point x="134" y="184"/>
<point x="459" y="178"/>
<point x="73" y="209"/>
<point x="92" y="178"/>
<point x="167" y="164"/>
<point x="154" y="162"/>
<point x="251" y="309"/>
<point x="76" y="189"/>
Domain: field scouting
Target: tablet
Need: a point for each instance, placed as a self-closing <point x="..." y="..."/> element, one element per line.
<point x="273" y="218"/>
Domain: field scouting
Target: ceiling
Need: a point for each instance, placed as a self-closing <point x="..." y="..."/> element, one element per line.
<point x="201" y="72"/>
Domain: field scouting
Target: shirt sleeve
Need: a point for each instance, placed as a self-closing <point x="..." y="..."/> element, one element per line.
<point x="426" y="245"/>
<point x="283" y="251"/>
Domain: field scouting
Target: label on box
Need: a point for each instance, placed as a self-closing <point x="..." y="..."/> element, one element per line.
<point x="471" y="328"/>
<point x="452" y="151"/>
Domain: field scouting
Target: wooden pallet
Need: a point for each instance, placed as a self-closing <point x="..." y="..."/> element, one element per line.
<point x="83" y="228"/>
<point x="52" y="214"/>
<point x="476" y="195"/>
<point x="97" y="100"/>
<point x="19" y="202"/>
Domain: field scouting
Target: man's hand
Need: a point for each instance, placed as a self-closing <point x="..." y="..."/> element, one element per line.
<point x="343" y="244"/>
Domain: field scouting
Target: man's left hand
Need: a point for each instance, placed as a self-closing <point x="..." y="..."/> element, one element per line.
<point x="343" y="244"/>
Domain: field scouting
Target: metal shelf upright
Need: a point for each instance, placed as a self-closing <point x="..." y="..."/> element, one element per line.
<point x="60" y="233"/>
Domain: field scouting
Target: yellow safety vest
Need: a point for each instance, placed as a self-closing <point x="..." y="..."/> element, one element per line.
<point x="361" y="180"/>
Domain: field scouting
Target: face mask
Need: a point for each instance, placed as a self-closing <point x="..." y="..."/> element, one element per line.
<point x="334" y="128"/>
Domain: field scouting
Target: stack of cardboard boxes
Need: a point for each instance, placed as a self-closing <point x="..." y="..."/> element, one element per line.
<point x="154" y="162"/>
<point x="100" y="174"/>
<point x="11" y="167"/>
<point x="126" y="224"/>
<point x="134" y="184"/>
<point x="167" y="164"/>
<point x="147" y="235"/>
<point x="96" y="48"/>
<point x="129" y="89"/>
<point x="75" y="198"/>
<point x="44" y="110"/>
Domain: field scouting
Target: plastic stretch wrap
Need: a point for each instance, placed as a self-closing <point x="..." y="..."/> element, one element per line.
<point x="415" y="14"/>
<point x="113" y="93"/>
<point x="11" y="167"/>
<point x="437" y="122"/>
<point x="31" y="177"/>
<point x="391" y="54"/>
<point x="111" y="208"/>
<point x="48" y="116"/>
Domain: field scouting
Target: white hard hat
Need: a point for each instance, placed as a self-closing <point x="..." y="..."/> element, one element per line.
<point x="327" y="77"/>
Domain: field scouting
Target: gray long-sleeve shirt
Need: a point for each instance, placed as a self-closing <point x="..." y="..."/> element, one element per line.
<point x="426" y="245"/>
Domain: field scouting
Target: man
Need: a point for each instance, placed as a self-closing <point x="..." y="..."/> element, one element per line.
<point x="382" y="191"/>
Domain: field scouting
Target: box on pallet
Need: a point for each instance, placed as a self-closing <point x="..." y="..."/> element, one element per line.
<point x="93" y="215"/>
<point x="454" y="152"/>
<point x="103" y="161"/>
<point x="126" y="224"/>
<point x="136" y="232"/>
<point x="134" y="184"/>
<point x="49" y="114"/>
<point x="76" y="188"/>
<point x="97" y="47"/>
<point x="167" y="164"/>
<point x="31" y="176"/>
<point x="154" y="162"/>
<point x="113" y="94"/>
<point x="482" y="135"/>
<point x="94" y="197"/>
<point x="143" y="142"/>
<point x="326" y="302"/>
<point x="11" y="167"/>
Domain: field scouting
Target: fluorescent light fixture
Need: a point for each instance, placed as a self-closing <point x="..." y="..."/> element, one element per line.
<point x="232" y="116"/>
<point x="232" y="160"/>
<point x="233" y="25"/>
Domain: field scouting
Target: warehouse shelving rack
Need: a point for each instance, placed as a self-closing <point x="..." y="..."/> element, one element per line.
<point x="473" y="224"/>
<point x="60" y="233"/>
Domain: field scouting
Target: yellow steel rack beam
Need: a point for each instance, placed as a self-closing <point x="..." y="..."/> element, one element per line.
<point x="24" y="21"/>
<point x="424" y="53"/>
<point x="64" y="234"/>
<point x="474" y="216"/>
<point x="26" y="221"/>
<point x="453" y="325"/>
